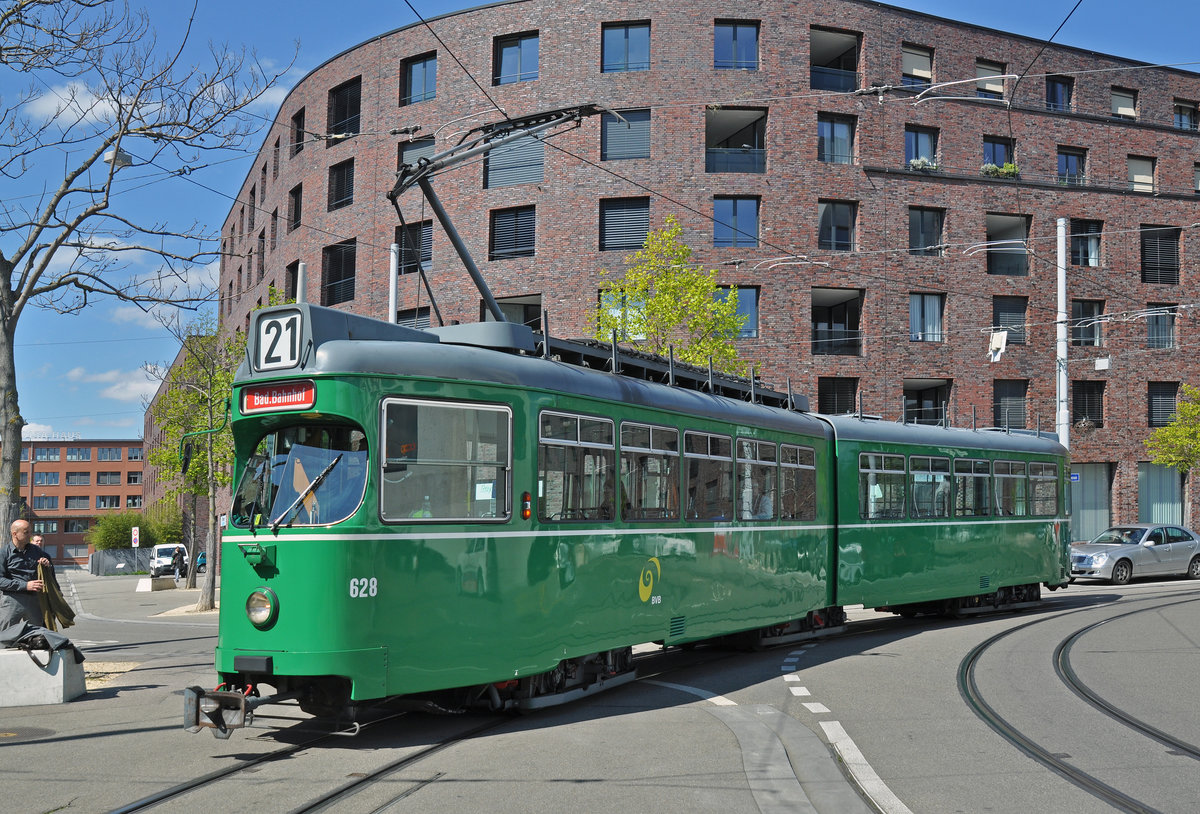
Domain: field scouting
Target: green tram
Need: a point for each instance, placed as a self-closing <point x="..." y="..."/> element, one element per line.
<point x="477" y="515"/>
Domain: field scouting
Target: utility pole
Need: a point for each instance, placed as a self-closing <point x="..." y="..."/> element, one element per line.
<point x="1063" y="417"/>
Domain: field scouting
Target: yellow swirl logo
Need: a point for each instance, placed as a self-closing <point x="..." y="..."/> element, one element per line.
<point x="651" y="572"/>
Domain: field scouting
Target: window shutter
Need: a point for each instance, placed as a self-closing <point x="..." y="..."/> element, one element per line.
<point x="1141" y="174"/>
<point x="990" y="86"/>
<point x="625" y="139"/>
<point x="518" y="162"/>
<point x="1009" y="314"/>
<point x="917" y="62"/>
<point x="512" y="233"/>
<point x="415" y="150"/>
<point x="1124" y="104"/>
<point x="1160" y="255"/>
<point x="624" y="223"/>
<point x="1161" y="403"/>
<point x="1010" y="403"/>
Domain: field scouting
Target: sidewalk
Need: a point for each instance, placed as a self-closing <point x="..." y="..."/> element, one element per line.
<point x="117" y="598"/>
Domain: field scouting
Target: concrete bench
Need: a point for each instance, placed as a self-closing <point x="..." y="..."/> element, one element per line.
<point x="156" y="584"/>
<point x="23" y="683"/>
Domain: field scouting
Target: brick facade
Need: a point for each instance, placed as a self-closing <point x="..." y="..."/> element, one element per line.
<point x="682" y="88"/>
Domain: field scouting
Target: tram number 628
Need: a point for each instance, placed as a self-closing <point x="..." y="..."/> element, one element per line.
<point x="363" y="587"/>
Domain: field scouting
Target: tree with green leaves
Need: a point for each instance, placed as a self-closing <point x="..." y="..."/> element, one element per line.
<point x="116" y="531"/>
<point x="1178" y="443"/>
<point x="195" y="398"/>
<point x="665" y="301"/>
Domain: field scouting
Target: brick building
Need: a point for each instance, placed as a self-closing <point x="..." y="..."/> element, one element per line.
<point x="67" y="484"/>
<point x="877" y="228"/>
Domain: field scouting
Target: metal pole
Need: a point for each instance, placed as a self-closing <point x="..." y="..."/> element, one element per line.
<point x="1063" y="417"/>
<point x="393" y="281"/>
<point x="301" y="278"/>
<point x="435" y="204"/>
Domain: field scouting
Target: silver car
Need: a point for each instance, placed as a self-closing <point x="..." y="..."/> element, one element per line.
<point x="1137" y="549"/>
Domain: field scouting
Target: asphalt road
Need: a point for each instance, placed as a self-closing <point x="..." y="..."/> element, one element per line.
<point x="703" y="730"/>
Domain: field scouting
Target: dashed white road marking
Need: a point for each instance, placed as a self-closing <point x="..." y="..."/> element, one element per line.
<point x="792" y="677"/>
<point x="814" y="707"/>
<point x="800" y="691"/>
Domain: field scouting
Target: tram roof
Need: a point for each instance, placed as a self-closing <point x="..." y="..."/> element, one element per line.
<point x="869" y="428"/>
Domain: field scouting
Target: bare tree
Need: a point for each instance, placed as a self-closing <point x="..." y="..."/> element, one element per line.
<point x="102" y="90"/>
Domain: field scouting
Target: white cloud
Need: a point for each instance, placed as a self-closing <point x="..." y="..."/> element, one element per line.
<point x="131" y="314"/>
<point x="74" y="100"/>
<point x="122" y="385"/>
<point x="34" y="428"/>
<point x="81" y="374"/>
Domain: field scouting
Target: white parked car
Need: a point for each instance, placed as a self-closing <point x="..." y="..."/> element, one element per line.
<point x="1137" y="549"/>
<point x="160" y="561"/>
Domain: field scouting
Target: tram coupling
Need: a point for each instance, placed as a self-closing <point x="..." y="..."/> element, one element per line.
<point x="223" y="711"/>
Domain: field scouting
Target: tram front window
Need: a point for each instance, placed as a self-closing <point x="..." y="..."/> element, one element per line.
<point x="310" y="475"/>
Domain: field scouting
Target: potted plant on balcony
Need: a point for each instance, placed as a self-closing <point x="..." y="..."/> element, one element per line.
<point x="922" y="164"/>
<point x="1007" y="170"/>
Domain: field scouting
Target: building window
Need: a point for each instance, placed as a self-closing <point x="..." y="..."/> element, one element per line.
<point x="1058" y="92"/>
<point x="836" y="395"/>
<point x="735" y="140"/>
<point x="1006" y="236"/>
<point x="1160" y="326"/>
<point x="45" y="527"/>
<point x="275" y="161"/>
<point x="1071" y="166"/>
<point x="295" y="205"/>
<point x="735" y="222"/>
<point x="925" y="402"/>
<point x="525" y="311"/>
<point x="411" y="152"/>
<point x="108" y="478"/>
<point x="75" y="527"/>
<point x="625" y="47"/>
<point x="420" y="80"/>
<point x="735" y="45"/>
<point x="1085" y="242"/>
<point x="108" y="453"/>
<point x="253" y="208"/>
<point x="337" y="272"/>
<point x="1196" y="178"/>
<point x="299" y="136"/>
<point x="1087" y="403"/>
<point x="520" y="161"/>
<point x="79" y="479"/>
<point x="925" y="317"/>
<point x="835" y="139"/>
<point x="1160" y="255"/>
<point x="625" y="137"/>
<point x="624" y="223"/>
<point x="925" y="231"/>
<point x="45" y="478"/>
<point x="133" y="502"/>
<point x="1008" y="314"/>
<point x="836" y="314"/>
<point x="345" y="104"/>
<point x="998" y="151"/>
<point x="1185" y="115"/>
<point x="835" y="225"/>
<point x="916" y="67"/>
<point x="104" y="502"/>
<point x="747" y="309"/>
<point x="989" y="86"/>
<point x="52" y="453"/>
<point x="515" y="58"/>
<point x="341" y="184"/>
<point x="920" y="146"/>
<point x="133" y="478"/>
<point x="1141" y="173"/>
<point x="1008" y="403"/>
<point x="416" y="246"/>
<point x="1085" y="322"/>
<point x="1124" y="103"/>
<point x="46" y="502"/>
<point x="1160" y="400"/>
<point x="834" y="56"/>
<point x="79" y="502"/>
<point x="512" y="233"/>
<point x="274" y="228"/>
<point x="413" y="317"/>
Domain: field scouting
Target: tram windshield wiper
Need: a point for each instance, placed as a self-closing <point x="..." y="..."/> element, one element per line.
<point x="308" y="490"/>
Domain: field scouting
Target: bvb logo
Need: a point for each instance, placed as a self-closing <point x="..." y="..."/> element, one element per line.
<point x="651" y="572"/>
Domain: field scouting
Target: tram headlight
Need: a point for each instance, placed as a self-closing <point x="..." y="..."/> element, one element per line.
<point x="262" y="607"/>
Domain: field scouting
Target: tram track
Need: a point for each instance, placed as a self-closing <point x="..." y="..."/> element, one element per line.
<point x="969" y="688"/>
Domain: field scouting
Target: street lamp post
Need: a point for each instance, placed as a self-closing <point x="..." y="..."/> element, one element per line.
<point x="1063" y="414"/>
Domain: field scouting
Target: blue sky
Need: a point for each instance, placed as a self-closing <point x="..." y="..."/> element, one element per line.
<point x="81" y="374"/>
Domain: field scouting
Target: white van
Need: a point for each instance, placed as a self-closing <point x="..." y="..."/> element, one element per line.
<point x="160" y="561"/>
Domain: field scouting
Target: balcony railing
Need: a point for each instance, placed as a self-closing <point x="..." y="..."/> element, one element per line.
<point x="836" y="342"/>
<point x="832" y="79"/>
<point x="725" y="159"/>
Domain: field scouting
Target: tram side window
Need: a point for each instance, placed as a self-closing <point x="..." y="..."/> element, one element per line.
<point x="880" y="486"/>
<point x="798" y="483"/>
<point x="649" y="472"/>
<point x="1043" y="488"/>
<point x="445" y="461"/>
<point x="929" y="482"/>
<point x="709" y="464"/>
<point x="972" y="485"/>
<point x="757" y="479"/>
<point x="577" y="470"/>
<point x="1011" y="489"/>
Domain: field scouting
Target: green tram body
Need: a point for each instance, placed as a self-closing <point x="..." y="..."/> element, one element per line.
<point x="376" y="592"/>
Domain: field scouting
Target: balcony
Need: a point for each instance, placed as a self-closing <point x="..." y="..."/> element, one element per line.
<point x="833" y="79"/>
<point x="728" y="159"/>
<point x="836" y="342"/>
